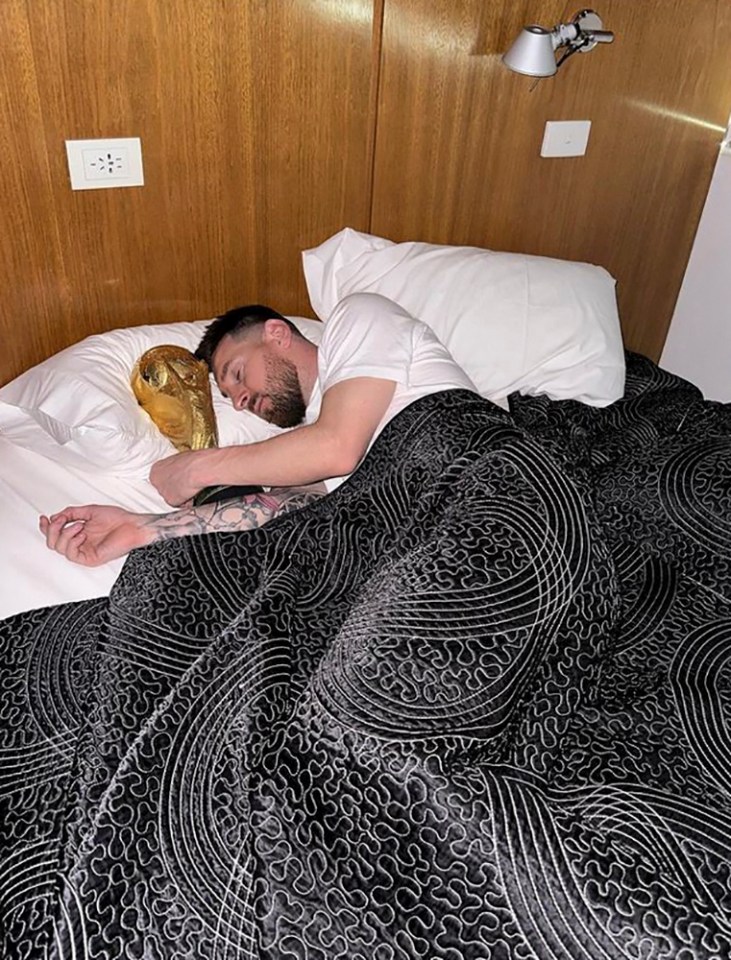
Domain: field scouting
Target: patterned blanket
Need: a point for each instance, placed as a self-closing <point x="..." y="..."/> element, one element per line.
<point x="474" y="704"/>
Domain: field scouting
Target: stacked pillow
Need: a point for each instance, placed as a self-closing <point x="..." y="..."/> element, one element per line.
<point x="78" y="408"/>
<point x="513" y="322"/>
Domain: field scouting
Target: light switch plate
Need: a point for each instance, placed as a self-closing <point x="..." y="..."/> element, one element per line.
<point x="102" y="164"/>
<point x="565" y="138"/>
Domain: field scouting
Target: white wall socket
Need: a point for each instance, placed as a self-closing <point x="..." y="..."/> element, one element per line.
<point x="101" y="164"/>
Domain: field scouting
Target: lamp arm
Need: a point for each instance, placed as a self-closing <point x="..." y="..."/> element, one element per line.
<point x="564" y="34"/>
<point x="600" y="36"/>
<point x="572" y="35"/>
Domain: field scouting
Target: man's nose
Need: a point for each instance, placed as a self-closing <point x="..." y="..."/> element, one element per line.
<point x="240" y="398"/>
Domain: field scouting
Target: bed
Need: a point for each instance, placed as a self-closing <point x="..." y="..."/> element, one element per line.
<point x="72" y="432"/>
<point x="472" y="704"/>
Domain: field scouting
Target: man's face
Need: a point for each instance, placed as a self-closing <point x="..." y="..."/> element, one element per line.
<point x="255" y="377"/>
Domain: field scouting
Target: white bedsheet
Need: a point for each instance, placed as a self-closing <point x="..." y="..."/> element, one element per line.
<point x="32" y="576"/>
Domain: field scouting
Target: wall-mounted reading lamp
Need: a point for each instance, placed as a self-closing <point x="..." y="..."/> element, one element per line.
<point x="533" y="53"/>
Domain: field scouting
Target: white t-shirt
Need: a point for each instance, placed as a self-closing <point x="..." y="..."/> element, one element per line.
<point x="368" y="335"/>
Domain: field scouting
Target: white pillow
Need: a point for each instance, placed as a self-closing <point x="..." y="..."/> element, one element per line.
<point x="513" y="322"/>
<point x="78" y="408"/>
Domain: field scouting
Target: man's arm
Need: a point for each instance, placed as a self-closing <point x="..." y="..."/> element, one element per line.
<point x="93" y="534"/>
<point x="331" y="447"/>
<point x="246" y="513"/>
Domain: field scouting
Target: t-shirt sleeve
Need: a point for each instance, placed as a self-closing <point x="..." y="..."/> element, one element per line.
<point x="366" y="335"/>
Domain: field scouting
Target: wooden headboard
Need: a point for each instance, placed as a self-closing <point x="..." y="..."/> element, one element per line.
<point x="268" y="125"/>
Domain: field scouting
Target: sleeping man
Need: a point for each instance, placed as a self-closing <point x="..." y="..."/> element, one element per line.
<point x="373" y="360"/>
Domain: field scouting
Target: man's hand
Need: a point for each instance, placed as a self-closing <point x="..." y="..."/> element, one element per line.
<point x="92" y="535"/>
<point x="174" y="478"/>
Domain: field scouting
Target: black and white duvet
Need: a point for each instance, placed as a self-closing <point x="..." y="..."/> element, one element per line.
<point x="474" y="704"/>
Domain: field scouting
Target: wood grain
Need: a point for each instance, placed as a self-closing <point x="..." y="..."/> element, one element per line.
<point x="254" y="120"/>
<point x="459" y="137"/>
<point x="268" y="125"/>
<point x="33" y="301"/>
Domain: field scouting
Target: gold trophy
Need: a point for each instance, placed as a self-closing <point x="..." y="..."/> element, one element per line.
<point x="174" y="389"/>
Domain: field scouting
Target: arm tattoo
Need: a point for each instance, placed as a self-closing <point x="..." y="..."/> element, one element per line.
<point x="242" y="514"/>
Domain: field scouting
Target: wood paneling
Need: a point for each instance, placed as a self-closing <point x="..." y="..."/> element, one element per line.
<point x="33" y="299"/>
<point x="255" y="118"/>
<point x="268" y="125"/>
<point x="458" y="139"/>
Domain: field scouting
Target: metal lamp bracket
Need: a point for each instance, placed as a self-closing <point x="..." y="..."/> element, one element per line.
<point x="587" y="21"/>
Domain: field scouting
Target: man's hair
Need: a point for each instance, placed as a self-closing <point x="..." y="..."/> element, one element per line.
<point x="236" y="322"/>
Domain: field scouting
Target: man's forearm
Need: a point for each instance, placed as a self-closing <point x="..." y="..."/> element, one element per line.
<point x="306" y="455"/>
<point x="228" y="515"/>
<point x="333" y="446"/>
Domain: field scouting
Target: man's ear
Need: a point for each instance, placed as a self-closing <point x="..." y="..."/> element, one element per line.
<point x="277" y="333"/>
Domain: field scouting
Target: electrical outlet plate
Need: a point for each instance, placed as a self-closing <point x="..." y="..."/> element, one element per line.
<point x="565" y="138"/>
<point x="103" y="164"/>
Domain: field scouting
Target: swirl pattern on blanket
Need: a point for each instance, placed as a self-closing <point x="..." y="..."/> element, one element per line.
<point x="473" y="704"/>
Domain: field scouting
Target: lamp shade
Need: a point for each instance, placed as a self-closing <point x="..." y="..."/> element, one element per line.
<point x="532" y="53"/>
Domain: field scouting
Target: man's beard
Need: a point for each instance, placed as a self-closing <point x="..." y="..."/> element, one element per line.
<point x="286" y="406"/>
